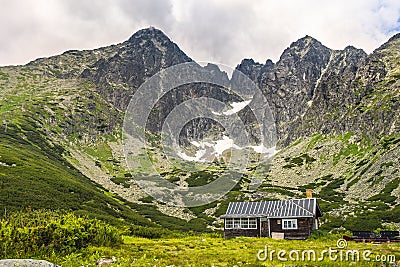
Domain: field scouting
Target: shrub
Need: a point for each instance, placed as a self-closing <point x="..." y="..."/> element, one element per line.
<point x="320" y="234"/>
<point x="148" y="232"/>
<point x="46" y="232"/>
<point x="364" y="222"/>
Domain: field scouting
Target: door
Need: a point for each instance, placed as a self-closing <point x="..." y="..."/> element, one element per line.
<point x="264" y="227"/>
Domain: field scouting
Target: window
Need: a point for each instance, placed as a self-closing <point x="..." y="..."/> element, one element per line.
<point x="241" y="223"/>
<point x="236" y="223"/>
<point x="244" y="223"/>
<point x="289" y="224"/>
<point x="252" y="223"/>
<point x="228" y="223"/>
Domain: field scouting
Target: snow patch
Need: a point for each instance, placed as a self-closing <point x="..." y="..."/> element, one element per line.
<point x="332" y="56"/>
<point x="224" y="144"/>
<point x="211" y="149"/>
<point x="208" y="150"/>
<point x="236" y="107"/>
<point x="268" y="151"/>
<point x="198" y="157"/>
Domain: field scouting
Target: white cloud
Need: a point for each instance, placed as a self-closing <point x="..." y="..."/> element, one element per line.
<point x="223" y="31"/>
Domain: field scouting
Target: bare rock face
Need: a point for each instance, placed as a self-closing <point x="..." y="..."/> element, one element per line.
<point x="334" y="91"/>
<point x="310" y="89"/>
<point x="250" y="68"/>
<point x="143" y="55"/>
<point x="291" y="84"/>
<point x="316" y="89"/>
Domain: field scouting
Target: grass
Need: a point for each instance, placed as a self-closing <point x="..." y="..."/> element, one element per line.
<point x="34" y="174"/>
<point x="200" y="178"/>
<point x="150" y="211"/>
<point x="208" y="250"/>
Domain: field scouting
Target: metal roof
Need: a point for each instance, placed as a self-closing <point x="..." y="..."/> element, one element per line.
<point x="306" y="207"/>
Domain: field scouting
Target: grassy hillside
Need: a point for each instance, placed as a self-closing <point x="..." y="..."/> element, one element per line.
<point x="33" y="136"/>
<point x="34" y="174"/>
<point x="45" y="122"/>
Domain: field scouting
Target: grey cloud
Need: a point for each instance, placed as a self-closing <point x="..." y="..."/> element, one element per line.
<point x="212" y="33"/>
<point x="223" y="31"/>
<point x="155" y="12"/>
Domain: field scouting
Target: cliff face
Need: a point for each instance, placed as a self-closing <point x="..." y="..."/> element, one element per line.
<point x="143" y="55"/>
<point x="310" y="89"/>
<point x="315" y="89"/>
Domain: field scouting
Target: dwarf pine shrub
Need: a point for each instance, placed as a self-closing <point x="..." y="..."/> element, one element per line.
<point x="46" y="232"/>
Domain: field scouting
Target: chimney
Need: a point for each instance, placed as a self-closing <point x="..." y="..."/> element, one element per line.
<point x="308" y="193"/>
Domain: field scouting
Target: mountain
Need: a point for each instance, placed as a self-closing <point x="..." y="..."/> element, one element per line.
<point x="143" y="55"/>
<point x="337" y="121"/>
<point x="336" y="115"/>
<point x="316" y="89"/>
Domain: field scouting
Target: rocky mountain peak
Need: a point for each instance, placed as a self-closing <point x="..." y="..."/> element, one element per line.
<point x="304" y="46"/>
<point x="349" y="57"/>
<point x="150" y="41"/>
<point x="143" y="55"/>
<point x="212" y="67"/>
<point x="250" y="68"/>
<point x="217" y="73"/>
<point x="351" y="49"/>
<point x="306" y="55"/>
<point x="395" y="37"/>
<point x="390" y="46"/>
<point x="306" y="40"/>
<point x="149" y="34"/>
<point x="248" y="61"/>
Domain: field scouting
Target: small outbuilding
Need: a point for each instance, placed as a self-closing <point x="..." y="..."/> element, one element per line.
<point x="289" y="219"/>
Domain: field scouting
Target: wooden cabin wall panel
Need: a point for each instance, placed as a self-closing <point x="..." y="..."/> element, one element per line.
<point x="304" y="228"/>
<point x="241" y="232"/>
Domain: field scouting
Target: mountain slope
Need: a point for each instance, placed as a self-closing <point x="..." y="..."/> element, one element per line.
<point x="343" y="139"/>
<point x="336" y="113"/>
<point x="49" y="115"/>
<point x="315" y="89"/>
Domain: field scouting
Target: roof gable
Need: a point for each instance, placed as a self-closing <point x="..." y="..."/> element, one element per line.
<point x="306" y="207"/>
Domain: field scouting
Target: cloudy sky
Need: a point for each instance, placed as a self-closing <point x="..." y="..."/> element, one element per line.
<point x="220" y="31"/>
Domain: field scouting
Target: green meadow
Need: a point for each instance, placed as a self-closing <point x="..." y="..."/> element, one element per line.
<point x="67" y="239"/>
<point x="207" y="250"/>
